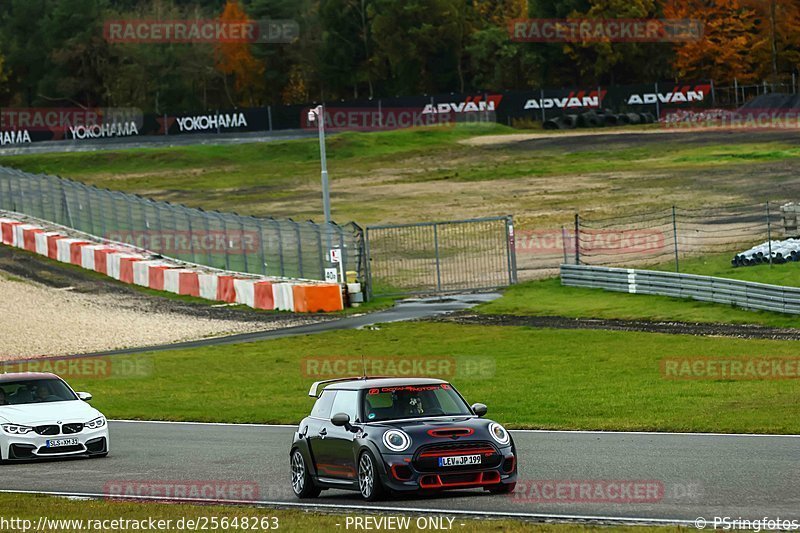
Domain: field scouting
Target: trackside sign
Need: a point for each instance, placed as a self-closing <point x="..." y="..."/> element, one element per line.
<point x="573" y="100"/>
<point x="470" y="104"/>
<point x="212" y="122"/>
<point x="678" y="95"/>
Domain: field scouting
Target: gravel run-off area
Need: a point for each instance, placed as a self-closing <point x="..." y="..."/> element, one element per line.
<point x="49" y="310"/>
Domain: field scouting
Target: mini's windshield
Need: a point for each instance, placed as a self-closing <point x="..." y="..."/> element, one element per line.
<point x="34" y="391"/>
<point x="413" y="401"/>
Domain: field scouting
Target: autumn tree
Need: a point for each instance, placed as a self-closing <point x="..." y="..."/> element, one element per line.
<point x="496" y="62"/>
<point x="777" y="43"/>
<point x="347" y="60"/>
<point x="420" y="44"/>
<point x="235" y="60"/>
<point x="618" y="62"/>
<point x="725" y="51"/>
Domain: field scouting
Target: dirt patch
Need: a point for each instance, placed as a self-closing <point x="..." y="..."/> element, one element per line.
<point x="51" y="309"/>
<point x="739" y="331"/>
<point x="631" y="137"/>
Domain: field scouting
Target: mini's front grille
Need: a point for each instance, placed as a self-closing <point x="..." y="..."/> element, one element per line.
<point x="46" y="430"/>
<point x="69" y="429"/>
<point x="427" y="457"/>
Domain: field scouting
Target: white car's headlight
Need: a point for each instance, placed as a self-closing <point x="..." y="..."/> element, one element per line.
<point x="96" y="423"/>
<point x="14" y="429"/>
<point x="396" y="440"/>
<point x="499" y="433"/>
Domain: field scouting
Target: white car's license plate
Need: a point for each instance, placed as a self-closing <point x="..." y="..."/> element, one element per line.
<point x="460" y="460"/>
<point x="60" y="443"/>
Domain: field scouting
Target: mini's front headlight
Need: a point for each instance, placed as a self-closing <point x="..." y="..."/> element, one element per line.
<point x="96" y="423"/>
<point x="499" y="433"/>
<point x="14" y="429"/>
<point x="396" y="440"/>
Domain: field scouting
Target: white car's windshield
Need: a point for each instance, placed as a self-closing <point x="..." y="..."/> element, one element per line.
<point x="413" y="401"/>
<point x="34" y="391"/>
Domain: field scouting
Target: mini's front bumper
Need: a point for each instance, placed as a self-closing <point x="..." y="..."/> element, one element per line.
<point x="35" y="446"/>
<point x="401" y="475"/>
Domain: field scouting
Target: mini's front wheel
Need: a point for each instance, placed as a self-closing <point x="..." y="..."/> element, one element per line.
<point x="302" y="484"/>
<point x="369" y="480"/>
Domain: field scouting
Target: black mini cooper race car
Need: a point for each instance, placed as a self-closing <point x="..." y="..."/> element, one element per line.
<point x="379" y="435"/>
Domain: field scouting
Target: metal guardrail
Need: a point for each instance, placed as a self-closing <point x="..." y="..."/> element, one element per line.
<point x="745" y="294"/>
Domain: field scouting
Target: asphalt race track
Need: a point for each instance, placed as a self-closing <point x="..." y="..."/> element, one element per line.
<point x="404" y="310"/>
<point x="700" y="475"/>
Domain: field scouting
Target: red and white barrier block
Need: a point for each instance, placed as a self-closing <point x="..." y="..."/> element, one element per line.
<point x="245" y="292"/>
<point x="43" y="242"/>
<point x="7" y="230"/>
<point x="121" y="264"/>
<point x="182" y="281"/>
<point x="283" y="297"/>
<point x="142" y="271"/>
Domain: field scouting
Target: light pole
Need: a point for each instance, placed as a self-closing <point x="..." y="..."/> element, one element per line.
<point x="318" y="115"/>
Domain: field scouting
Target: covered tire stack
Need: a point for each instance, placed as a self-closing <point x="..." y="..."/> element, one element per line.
<point x="782" y="252"/>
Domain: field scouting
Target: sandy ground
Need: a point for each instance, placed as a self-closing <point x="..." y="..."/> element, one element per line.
<point x="48" y="310"/>
<point x="43" y="321"/>
<point x="492" y="140"/>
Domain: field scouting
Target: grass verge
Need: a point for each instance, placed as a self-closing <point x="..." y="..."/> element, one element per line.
<point x="28" y="507"/>
<point x="431" y="173"/>
<point x="530" y="378"/>
<point x="549" y="298"/>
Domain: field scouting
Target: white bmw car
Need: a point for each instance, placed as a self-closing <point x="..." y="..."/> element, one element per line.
<point x="42" y="417"/>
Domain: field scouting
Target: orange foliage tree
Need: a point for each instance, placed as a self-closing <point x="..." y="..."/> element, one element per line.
<point x="777" y="45"/>
<point x="725" y="51"/>
<point x="234" y="60"/>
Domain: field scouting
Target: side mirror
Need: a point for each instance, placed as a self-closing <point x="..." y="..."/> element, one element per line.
<point x="85" y="396"/>
<point x="341" y="420"/>
<point x="479" y="409"/>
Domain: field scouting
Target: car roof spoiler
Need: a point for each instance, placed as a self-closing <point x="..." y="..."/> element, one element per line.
<point x="315" y="387"/>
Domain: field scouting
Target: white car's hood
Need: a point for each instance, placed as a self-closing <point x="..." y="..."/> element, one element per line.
<point x="36" y="414"/>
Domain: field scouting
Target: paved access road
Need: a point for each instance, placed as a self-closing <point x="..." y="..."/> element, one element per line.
<point x="695" y="475"/>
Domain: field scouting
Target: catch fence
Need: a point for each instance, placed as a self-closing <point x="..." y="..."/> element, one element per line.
<point x="653" y="237"/>
<point x="670" y="234"/>
<point x="441" y="257"/>
<point x="227" y="241"/>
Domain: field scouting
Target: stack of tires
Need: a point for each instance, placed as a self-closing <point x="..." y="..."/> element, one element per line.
<point x="597" y="119"/>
